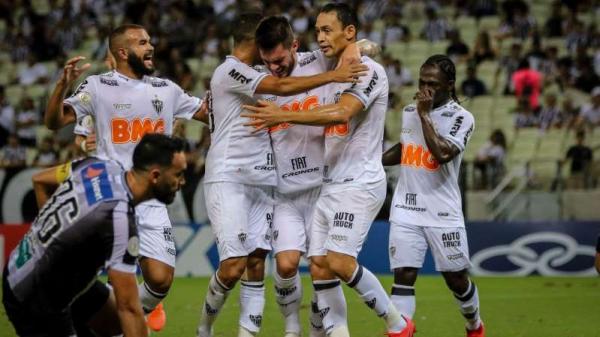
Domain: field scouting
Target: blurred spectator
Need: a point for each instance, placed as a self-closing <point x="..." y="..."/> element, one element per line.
<point x="32" y="73"/>
<point x="13" y="154"/>
<point x="472" y="86"/>
<point x="527" y="83"/>
<point x="7" y="118"/>
<point x="46" y="155"/>
<point x="550" y="114"/>
<point x="367" y="32"/>
<point x="508" y="64"/>
<point x="570" y="111"/>
<point x="523" y="23"/>
<point x="394" y="30"/>
<point x="536" y="55"/>
<point x="482" y="50"/>
<point x="576" y="37"/>
<point x="457" y="50"/>
<point x="554" y="24"/>
<point x="524" y="116"/>
<point x="581" y="157"/>
<point x="481" y="8"/>
<point x="587" y="79"/>
<point x="490" y="160"/>
<point x="26" y="122"/>
<point x="435" y="28"/>
<point x="299" y="19"/>
<point x="398" y="75"/>
<point x="549" y="66"/>
<point x="590" y="113"/>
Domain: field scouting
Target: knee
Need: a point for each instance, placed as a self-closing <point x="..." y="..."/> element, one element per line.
<point x="231" y="270"/>
<point x="405" y="276"/>
<point x="287" y="267"/>
<point x="458" y="282"/>
<point x="318" y="268"/>
<point x="343" y="266"/>
<point x="159" y="281"/>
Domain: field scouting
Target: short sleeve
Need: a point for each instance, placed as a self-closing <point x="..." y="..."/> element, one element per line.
<point x="186" y="105"/>
<point x="82" y="99"/>
<point x="460" y="130"/>
<point x="242" y="79"/>
<point x="370" y="86"/>
<point x="126" y="243"/>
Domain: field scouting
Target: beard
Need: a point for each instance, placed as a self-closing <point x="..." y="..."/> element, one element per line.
<point x="137" y="65"/>
<point x="164" y="194"/>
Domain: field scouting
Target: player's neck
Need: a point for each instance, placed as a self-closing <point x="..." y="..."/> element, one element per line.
<point x="125" y="70"/>
<point x="138" y="187"/>
<point x="244" y="53"/>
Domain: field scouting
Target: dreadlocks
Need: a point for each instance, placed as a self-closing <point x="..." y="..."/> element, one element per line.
<point x="445" y="64"/>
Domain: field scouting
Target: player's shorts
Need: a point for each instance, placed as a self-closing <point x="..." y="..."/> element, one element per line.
<point x="155" y="232"/>
<point x="292" y="215"/>
<point x="342" y="219"/>
<point x="408" y="245"/>
<point x="240" y="217"/>
<point x="49" y="323"/>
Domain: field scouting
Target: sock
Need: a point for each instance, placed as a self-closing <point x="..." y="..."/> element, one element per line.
<point x="149" y="298"/>
<point x="213" y="302"/>
<point x="252" y="304"/>
<point x="469" y="306"/>
<point x="316" y="321"/>
<point x="403" y="298"/>
<point x="340" y="331"/>
<point x="371" y="291"/>
<point x="289" y="297"/>
<point x="331" y="304"/>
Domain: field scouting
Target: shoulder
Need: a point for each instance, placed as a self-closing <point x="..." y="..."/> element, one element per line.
<point x="373" y="66"/>
<point x="157" y="82"/>
<point x="306" y="58"/>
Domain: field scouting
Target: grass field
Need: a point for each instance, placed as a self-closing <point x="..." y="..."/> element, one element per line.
<point x="527" y="307"/>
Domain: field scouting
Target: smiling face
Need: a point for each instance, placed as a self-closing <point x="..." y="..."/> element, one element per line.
<point x="331" y="35"/>
<point x="280" y="60"/>
<point x="140" y="52"/>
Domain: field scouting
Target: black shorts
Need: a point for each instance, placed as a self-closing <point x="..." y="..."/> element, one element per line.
<point x="29" y="321"/>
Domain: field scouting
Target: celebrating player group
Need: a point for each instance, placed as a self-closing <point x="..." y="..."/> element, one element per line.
<point x="295" y="167"/>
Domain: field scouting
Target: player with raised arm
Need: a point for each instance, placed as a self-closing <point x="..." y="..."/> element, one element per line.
<point x="50" y="284"/>
<point x="240" y="175"/>
<point x="354" y="180"/>
<point x="426" y="208"/>
<point x="125" y="104"/>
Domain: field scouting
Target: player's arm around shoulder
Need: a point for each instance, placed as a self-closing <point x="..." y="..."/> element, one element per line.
<point x="129" y="309"/>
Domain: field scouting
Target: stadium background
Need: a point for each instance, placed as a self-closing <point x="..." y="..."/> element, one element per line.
<point x="528" y="214"/>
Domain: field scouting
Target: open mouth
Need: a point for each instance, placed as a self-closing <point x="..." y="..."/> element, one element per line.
<point x="325" y="49"/>
<point x="147" y="59"/>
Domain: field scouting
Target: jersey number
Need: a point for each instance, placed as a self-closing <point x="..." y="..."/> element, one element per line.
<point x="56" y="212"/>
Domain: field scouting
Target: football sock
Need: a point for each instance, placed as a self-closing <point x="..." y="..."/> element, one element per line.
<point x="213" y="302"/>
<point x="149" y="298"/>
<point x="331" y="304"/>
<point x="288" y="294"/>
<point x="403" y="298"/>
<point x="372" y="293"/>
<point x="469" y="306"/>
<point x="316" y="321"/>
<point x="252" y="304"/>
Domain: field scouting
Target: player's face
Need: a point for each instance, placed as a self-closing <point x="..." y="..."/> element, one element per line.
<point x="431" y="77"/>
<point x="331" y="36"/>
<point x="171" y="179"/>
<point x="280" y="61"/>
<point x="140" y="52"/>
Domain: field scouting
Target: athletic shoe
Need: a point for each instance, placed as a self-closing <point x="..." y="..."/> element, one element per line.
<point x="408" y="331"/>
<point x="480" y="332"/>
<point x="157" y="319"/>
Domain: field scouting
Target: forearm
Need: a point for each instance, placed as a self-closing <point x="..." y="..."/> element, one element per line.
<point x="54" y="118"/>
<point x="442" y="150"/>
<point x="325" y="115"/>
<point x="392" y="156"/>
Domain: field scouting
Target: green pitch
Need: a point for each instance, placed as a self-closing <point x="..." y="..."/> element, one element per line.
<point x="511" y="307"/>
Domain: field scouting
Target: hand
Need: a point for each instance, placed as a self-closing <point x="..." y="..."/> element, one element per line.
<point x="349" y="73"/>
<point x="264" y="115"/>
<point x="90" y="143"/>
<point x="424" y="100"/>
<point x="350" y="55"/>
<point x="71" y="72"/>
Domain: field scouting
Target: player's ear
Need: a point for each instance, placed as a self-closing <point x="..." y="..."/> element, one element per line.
<point x="350" y="32"/>
<point x="154" y="175"/>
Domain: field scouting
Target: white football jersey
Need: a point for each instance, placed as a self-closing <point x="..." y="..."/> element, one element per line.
<point x="353" y="150"/>
<point x="427" y="193"/>
<point x="236" y="154"/>
<point x="124" y="109"/>
<point x="299" y="149"/>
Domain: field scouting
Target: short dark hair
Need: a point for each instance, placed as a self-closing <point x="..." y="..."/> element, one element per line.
<point x="344" y="12"/>
<point x="446" y="66"/>
<point x="272" y="31"/>
<point x="156" y="149"/>
<point x="245" y="27"/>
<point x="115" y="33"/>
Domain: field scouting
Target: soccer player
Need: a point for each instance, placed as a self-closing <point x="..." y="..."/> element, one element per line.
<point x="426" y="207"/>
<point x="354" y="180"/>
<point x="49" y="283"/>
<point x="240" y="175"/>
<point x="597" y="259"/>
<point x="125" y="104"/>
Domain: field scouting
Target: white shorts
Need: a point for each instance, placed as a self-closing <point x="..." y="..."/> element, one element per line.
<point x="155" y="232"/>
<point x="291" y="219"/>
<point x="341" y="220"/>
<point x="408" y="245"/>
<point x="240" y="216"/>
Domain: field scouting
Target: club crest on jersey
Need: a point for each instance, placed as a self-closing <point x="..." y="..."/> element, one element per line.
<point x="157" y="104"/>
<point x="96" y="184"/>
